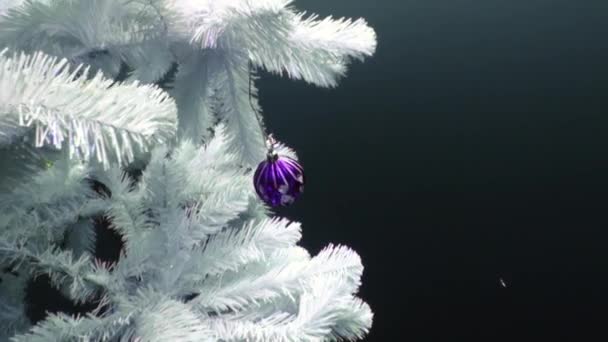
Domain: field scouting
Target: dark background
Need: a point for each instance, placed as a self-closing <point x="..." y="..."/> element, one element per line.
<point x="471" y="147"/>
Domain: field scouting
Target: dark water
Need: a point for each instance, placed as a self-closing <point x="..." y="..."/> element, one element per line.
<point x="472" y="147"/>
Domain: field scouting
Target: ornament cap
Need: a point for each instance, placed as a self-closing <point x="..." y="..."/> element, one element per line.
<point x="272" y="156"/>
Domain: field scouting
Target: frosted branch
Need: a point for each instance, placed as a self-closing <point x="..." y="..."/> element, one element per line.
<point x="97" y="119"/>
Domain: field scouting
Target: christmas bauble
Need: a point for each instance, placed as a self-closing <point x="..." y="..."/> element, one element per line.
<point x="279" y="180"/>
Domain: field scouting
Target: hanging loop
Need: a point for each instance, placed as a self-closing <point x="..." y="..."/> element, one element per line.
<point x="267" y="137"/>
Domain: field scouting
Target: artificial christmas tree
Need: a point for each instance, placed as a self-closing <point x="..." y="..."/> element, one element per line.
<point x="139" y="116"/>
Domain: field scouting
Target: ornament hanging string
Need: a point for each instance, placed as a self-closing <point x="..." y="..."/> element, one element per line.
<point x="270" y="141"/>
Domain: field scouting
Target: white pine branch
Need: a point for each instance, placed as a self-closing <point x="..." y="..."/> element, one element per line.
<point x="211" y="24"/>
<point x="257" y="283"/>
<point x="126" y="209"/>
<point x="111" y="30"/>
<point x="61" y="267"/>
<point x="281" y="279"/>
<point x="201" y="180"/>
<point x="64" y="179"/>
<point x="215" y="155"/>
<point x="81" y="237"/>
<point x="282" y="305"/>
<point x="326" y="313"/>
<point x="21" y="159"/>
<point x="192" y="95"/>
<point x="232" y="249"/>
<point x="316" y="51"/>
<point x="53" y="198"/>
<point x="276" y="38"/>
<point x="162" y="181"/>
<point x="217" y="209"/>
<point x="341" y="37"/>
<point x="329" y="309"/>
<point x="5" y="5"/>
<point x="95" y="23"/>
<point x="170" y="320"/>
<point x="355" y="320"/>
<point x="263" y="31"/>
<point x="338" y="260"/>
<point x="149" y="60"/>
<point x="129" y="215"/>
<point x="96" y="118"/>
<point x="63" y="327"/>
<point x="255" y="210"/>
<point x="157" y="231"/>
<point x="215" y="187"/>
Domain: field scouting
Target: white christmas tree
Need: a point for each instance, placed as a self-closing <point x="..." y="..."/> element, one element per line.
<point x="94" y="90"/>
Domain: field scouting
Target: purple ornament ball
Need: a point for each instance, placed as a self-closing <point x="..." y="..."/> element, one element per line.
<point x="279" y="180"/>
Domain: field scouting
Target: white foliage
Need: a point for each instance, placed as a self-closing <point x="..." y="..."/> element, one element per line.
<point x="280" y="279"/>
<point x="275" y="36"/>
<point x="62" y="268"/>
<point x="109" y="30"/>
<point x="5" y="5"/>
<point x="171" y="320"/>
<point x="40" y="210"/>
<point x="149" y="60"/>
<point x="326" y="312"/>
<point x="192" y="95"/>
<point x="96" y="119"/>
<point x="339" y="37"/>
<point x="125" y="210"/>
<point x="211" y="24"/>
<point x="203" y="260"/>
<point x="235" y="269"/>
<point x="20" y="161"/>
<point x="231" y="249"/>
<point x="204" y="180"/>
<point x="148" y="35"/>
<point x="81" y="237"/>
<point x="62" y="327"/>
<point x="12" y="305"/>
